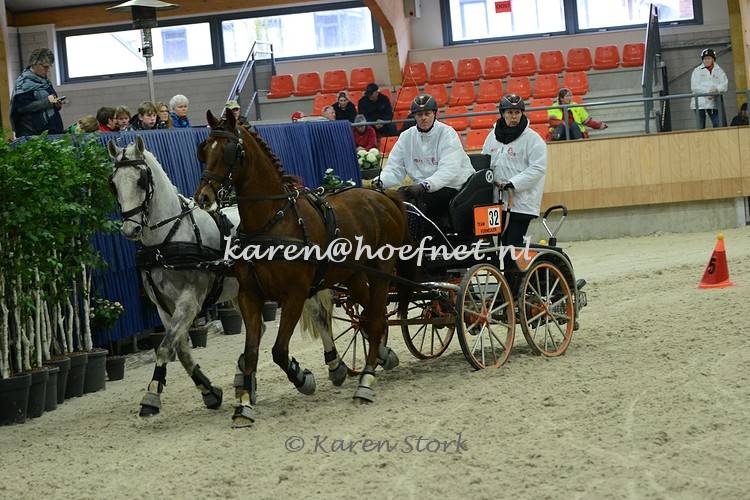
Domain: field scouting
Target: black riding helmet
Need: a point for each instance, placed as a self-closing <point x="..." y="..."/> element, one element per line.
<point x="511" y="101"/>
<point x="708" y="53"/>
<point x="424" y="102"/>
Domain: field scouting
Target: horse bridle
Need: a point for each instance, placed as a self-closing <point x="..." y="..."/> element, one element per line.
<point x="145" y="182"/>
<point x="234" y="151"/>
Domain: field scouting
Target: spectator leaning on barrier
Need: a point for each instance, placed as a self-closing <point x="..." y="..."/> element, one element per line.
<point x="364" y="135"/>
<point x="708" y="77"/>
<point x="741" y="118"/>
<point x="35" y="107"/>
<point x="376" y="106"/>
<point x="122" y="117"/>
<point x="344" y="108"/>
<point x="234" y="107"/>
<point x="106" y="118"/>
<point x="576" y="116"/>
<point x="329" y="113"/>
<point x="86" y="123"/>
<point x="147" y="118"/>
<point x="163" y="111"/>
<point x="179" y="106"/>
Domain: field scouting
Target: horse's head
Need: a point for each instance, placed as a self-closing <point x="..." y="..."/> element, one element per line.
<point x="132" y="184"/>
<point x="222" y="153"/>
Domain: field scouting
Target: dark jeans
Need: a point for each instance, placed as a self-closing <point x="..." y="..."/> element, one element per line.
<point x="559" y="133"/>
<point x="713" y="113"/>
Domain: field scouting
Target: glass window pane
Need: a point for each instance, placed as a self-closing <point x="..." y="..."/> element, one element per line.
<point x="120" y="52"/>
<point x="605" y="13"/>
<point x="477" y="19"/>
<point x="303" y="34"/>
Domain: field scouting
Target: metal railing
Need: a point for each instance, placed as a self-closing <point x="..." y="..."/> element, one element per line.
<point x="248" y="69"/>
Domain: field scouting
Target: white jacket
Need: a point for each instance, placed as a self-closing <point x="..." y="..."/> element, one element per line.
<point x="437" y="157"/>
<point x="704" y="81"/>
<point x="522" y="162"/>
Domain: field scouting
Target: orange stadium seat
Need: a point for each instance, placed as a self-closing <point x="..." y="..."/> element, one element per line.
<point x="484" y="121"/>
<point x="546" y="86"/>
<point x="462" y="93"/>
<point x="400" y="115"/>
<point x="541" y="129"/>
<point x="438" y="91"/>
<point x="355" y="96"/>
<point x="577" y="82"/>
<point x="551" y="62"/>
<point x="404" y="98"/>
<point x="539" y="116"/>
<point x="281" y="86"/>
<point x="632" y="55"/>
<point x="360" y="78"/>
<point x="496" y="67"/>
<point x="579" y="60"/>
<point x="607" y="57"/>
<point x="442" y="72"/>
<point x="519" y="85"/>
<point x="490" y="91"/>
<point x="458" y="124"/>
<point x="386" y="144"/>
<point x="415" y="74"/>
<point x="468" y="70"/>
<point x="308" y="84"/>
<point x="321" y="101"/>
<point x="523" y="65"/>
<point x="335" y="81"/>
<point x="475" y="139"/>
<point x="386" y="92"/>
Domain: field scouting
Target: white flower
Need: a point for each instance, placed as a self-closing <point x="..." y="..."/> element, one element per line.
<point x="329" y="171"/>
<point x="374" y="151"/>
<point x="371" y="157"/>
<point x="361" y="152"/>
<point x="360" y="161"/>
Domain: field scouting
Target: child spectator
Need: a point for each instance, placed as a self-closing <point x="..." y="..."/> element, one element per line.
<point x="741" y="118"/>
<point x="122" y="117"/>
<point x="86" y="123"/>
<point x="344" y="108"/>
<point x="179" y="106"/>
<point x="147" y="118"/>
<point x="106" y="118"/>
<point x="364" y="135"/>
<point x="164" y="114"/>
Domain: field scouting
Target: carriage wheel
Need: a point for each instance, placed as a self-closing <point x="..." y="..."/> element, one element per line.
<point x="485" y="319"/>
<point x="352" y="344"/>
<point x="547" y="311"/>
<point x="431" y="329"/>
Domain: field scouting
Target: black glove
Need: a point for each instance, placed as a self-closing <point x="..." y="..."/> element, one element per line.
<point x="505" y="186"/>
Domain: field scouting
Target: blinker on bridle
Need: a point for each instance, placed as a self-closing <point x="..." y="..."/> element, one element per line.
<point x="145" y="182"/>
<point x="233" y="152"/>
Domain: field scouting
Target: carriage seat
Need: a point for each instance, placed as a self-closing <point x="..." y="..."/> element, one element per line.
<point x="478" y="190"/>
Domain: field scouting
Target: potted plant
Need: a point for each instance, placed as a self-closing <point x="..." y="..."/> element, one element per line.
<point x="369" y="162"/>
<point x="231" y="319"/>
<point x="103" y="317"/>
<point x="332" y="181"/>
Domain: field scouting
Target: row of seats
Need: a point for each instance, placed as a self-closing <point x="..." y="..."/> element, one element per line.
<point x="550" y="62"/>
<point x="309" y="84"/>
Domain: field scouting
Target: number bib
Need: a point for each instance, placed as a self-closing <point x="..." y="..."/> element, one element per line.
<point x="488" y="220"/>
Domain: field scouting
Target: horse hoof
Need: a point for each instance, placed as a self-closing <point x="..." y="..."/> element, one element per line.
<point x="387" y="358"/>
<point x="150" y="404"/>
<point x="308" y="386"/>
<point x="364" y="395"/>
<point x="148" y="411"/>
<point x="338" y="375"/>
<point x="213" y="399"/>
<point x="243" y="417"/>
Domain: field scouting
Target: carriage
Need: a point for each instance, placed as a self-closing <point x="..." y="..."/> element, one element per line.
<point x="479" y="299"/>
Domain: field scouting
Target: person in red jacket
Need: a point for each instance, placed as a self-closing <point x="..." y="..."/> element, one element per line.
<point x="106" y="118"/>
<point x="364" y="135"/>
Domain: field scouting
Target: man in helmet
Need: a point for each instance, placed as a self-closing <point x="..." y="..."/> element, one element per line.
<point x="518" y="157"/>
<point x="432" y="155"/>
<point x="708" y="77"/>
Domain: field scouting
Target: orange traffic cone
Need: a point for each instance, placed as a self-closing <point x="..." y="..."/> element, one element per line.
<point x="717" y="270"/>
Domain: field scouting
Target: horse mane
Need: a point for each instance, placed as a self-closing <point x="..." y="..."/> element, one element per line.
<point x="289" y="181"/>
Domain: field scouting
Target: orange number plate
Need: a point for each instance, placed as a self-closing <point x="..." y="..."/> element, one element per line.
<point x="487" y="220"/>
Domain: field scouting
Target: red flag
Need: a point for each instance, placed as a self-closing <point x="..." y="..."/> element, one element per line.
<point x="502" y="6"/>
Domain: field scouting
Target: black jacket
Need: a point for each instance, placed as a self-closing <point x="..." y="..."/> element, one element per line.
<point x="379" y="110"/>
<point x="738" y="121"/>
<point x="348" y="113"/>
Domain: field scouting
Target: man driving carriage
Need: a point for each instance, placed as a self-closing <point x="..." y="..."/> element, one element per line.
<point x="432" y="155"/>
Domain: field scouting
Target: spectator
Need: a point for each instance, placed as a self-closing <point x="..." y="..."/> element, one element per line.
<point x="164" y="114"/>
<point x="234" y="107"/>
<point x="375" y="106"/>
<point x="35" y="107"/>
<point x="86" y="123"/>
<point x="329" y="113"/>
<point x="708" y="77"/>
<point x="578" y="118"/>
<point x="106" y="118"/>
<point x="179" y="106"/>
<point x="122" y="117"/>
<point x="364" y="135"/>
<point x="147" y="118"/>
<point x="741" y="118"/>
<point x="344" y="108"/>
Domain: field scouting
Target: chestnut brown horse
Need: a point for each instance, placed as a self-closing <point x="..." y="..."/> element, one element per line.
<point x="275" y="214"/>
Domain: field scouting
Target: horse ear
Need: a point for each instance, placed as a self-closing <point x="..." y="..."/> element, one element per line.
<point x="211" y="119"/>
<point x="139" y="145"/>
<point x="231" y="121"/>
<point x="113" y="149"/>
<point x="201" y="153"/>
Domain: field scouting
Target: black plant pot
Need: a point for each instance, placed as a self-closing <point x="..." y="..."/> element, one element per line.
<point x="14" y="398"/>
<point x="76" y="375"/>
<point x="369" y="173"/>
<point x="62" y="378"/>
<point x="269" y="311"/>
<point x="37" y="392"/>
<point x="50" y="400"/>
<point x="115" y="368"/>
<point x="199" y="336"/>
<point x="96" y="371"/>
<point x="231" y="321"/>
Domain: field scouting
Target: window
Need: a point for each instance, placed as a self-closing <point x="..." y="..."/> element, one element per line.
<point x="292" y="35"/>
<point x="477" y="19"/>
<point x="598" y="14"/>
<point x="118" y="52"/>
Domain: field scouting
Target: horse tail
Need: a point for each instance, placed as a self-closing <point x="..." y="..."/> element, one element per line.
<point x="317" y="313"/>
<point x="406" y="269"/>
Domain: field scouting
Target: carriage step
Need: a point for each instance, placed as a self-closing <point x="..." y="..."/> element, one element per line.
<point x="580" y="283"/>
